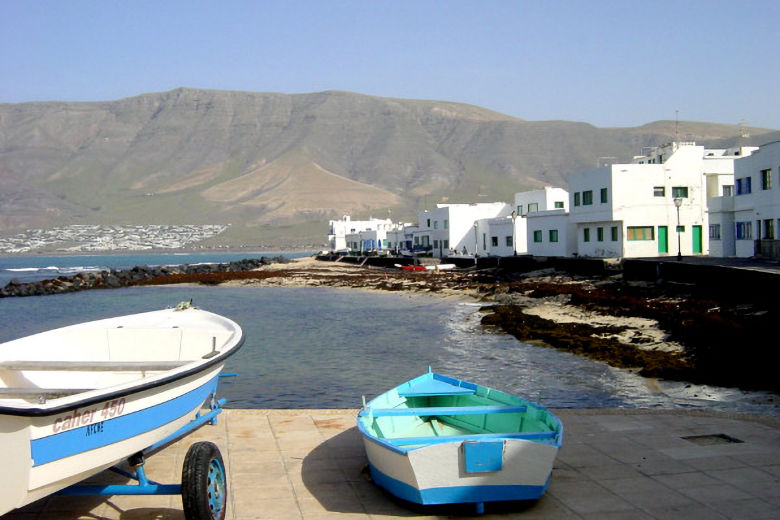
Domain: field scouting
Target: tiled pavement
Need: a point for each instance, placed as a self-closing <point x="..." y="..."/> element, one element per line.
<point x="614" y="464"/>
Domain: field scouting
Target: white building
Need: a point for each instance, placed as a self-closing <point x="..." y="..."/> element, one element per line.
<point x="541" y="200"/>
<point x="339" y="229"/>
<point x="458" y="227"/>
<point x="531" y="204"/>
<point x="719" y="169"/>
<point x="401" y="238"/>
<point x="747" y="223"/>
<point x="501" y="236"/>
<point x="551" y="233"/>
<point x="631" y="210"/>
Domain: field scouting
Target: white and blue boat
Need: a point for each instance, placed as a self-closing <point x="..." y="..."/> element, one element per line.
<point x="79" y="399"/>
<point x="439" y="440"/>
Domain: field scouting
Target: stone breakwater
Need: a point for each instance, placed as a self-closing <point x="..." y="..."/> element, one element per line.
<point x="139" y="275"/>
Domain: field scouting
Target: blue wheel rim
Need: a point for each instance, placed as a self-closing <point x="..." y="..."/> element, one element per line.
<point x="216" y="488"/>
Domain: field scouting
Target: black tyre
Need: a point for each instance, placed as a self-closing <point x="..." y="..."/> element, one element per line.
<point x="204" y="483"/>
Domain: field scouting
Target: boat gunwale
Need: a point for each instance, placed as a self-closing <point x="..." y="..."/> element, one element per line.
<point x="386" y="443"/>
<point x="173" y="375"/>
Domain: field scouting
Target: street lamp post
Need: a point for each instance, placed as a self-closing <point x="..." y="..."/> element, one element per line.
<point x="677" y="204"/>
<point x="514" y="234"/>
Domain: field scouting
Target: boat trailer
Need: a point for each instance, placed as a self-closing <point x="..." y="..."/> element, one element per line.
<point x="203" y="486"/>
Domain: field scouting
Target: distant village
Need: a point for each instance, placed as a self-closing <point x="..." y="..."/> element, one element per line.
<point x="679" y="199"/>
<point x="95" y="238"/>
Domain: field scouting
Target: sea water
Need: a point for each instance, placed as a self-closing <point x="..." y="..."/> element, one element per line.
<point x="35" y="268"/>
<point x="312" y="347"/>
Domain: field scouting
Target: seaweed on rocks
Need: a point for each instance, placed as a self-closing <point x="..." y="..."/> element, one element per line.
<point x="587" y="340"/>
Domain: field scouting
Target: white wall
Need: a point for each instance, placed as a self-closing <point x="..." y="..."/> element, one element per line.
<point x="459" y="229"/>
<point x="502" y="229"/>
<point x="631" y="203"/>
<point x="539" y="226"/>
<point x="760" y="204"/>
<point x="721" y="214"/>
<point x="604" y="239"/>
<point x="544" y="199"/>
<point x="339" y="229"/>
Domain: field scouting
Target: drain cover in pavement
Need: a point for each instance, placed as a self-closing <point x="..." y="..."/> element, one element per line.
<point x="709" y="440"/>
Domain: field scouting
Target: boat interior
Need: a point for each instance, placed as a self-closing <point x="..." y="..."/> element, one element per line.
<point x="48" y="366"/>
<point x="407" y="418"/>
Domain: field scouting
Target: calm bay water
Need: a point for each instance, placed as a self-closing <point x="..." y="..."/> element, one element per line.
<point x="34" y="268"/>
<point x="325" y="348"/>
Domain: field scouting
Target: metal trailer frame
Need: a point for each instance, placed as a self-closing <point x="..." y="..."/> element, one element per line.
<point x="206" y="493"/>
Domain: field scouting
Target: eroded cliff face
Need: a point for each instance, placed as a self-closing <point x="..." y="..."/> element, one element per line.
<point x="275" y="159"/>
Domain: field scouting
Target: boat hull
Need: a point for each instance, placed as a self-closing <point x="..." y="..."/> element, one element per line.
<point x="439" y="440"/>
<point x="436" y="474"/>
<point x="50" y="458"/>
<point x="62" y="441"/>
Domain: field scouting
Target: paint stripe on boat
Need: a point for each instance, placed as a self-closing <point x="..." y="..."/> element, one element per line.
<point x="92" y="436"/>
<point x="457" y="494"/>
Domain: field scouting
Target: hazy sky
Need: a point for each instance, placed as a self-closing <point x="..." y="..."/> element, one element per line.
<point x="609" y="63"/>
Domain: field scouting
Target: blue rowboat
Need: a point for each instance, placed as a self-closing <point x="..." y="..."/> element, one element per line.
<point x="439" y="440"/>
<point x="79" y="399"/>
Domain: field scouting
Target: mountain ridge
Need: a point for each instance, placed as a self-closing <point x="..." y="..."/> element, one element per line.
<point x="177" y="157"/>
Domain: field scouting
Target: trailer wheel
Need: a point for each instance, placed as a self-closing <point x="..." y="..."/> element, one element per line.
<point x="204" y="483"/>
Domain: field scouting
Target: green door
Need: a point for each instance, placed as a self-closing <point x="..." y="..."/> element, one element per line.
<point x="663" y="239"/>
<point x="696" y="239"/>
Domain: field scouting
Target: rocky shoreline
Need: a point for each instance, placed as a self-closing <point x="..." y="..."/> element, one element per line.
<point x="139" y="275"/>
<point x="660" y="330"/>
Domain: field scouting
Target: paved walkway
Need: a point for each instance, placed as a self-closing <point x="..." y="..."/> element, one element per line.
<point x="614" y="464"/>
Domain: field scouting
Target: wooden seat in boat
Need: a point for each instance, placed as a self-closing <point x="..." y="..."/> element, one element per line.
<point x="446" y="410"/>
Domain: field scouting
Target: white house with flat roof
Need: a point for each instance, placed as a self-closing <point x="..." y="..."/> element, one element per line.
<point x="655" y="206"/>
<point x="458" y="228"/>
<point x="544" y="199"/>
<point x="719" y="168"/>
<point x="533" y="203"/>
<point x="339" y="229"/>
<point x="401" y="238"/>
<point x="757" y="202"/>
<point x="551" y="233"/>
<point x="501" y="236"/>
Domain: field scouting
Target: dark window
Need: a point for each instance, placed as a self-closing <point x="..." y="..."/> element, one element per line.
<point x="714" y="231"/>
<point x="744" y="230"/>
<point x="744" y="186"/>
<point x="766" y="179"/>
<point x="769" y="229"/>
<point x="587" y="198"/>
<point x="603" y="195"/>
